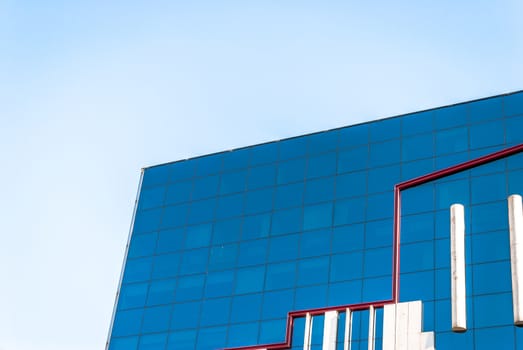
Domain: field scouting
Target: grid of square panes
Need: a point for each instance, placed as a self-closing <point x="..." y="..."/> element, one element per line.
<point x="223" y="246"/>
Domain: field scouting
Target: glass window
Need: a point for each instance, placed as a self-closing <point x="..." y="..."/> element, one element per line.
<point x="223" y="257"/>
<point x="349" y="211"/>
<point x="286" y="221"/>
<point x="319" y="190"/>
<point x="215" y="312"/>
<point x="418" y="286"/>
<point x="384" y="153"/>
<point x="250" y="280"/>
<point x="259" y="201"/>
<point x="241" y="334"/>
<point x="515" y="182"/>
<point x="315" y="243"/>
<point x="347" y="266"/>
<point x="157" y="175"/>
<point x="280" y="276"/>
<point x="383" y="179"/>
<point x="385" y="129"/>
<point x="513" y="129"/>
<point x="345" y="293"/>
<point x="211" y="338"/>
<point x="323" y="165"/>
<point x="166" y="265"/>
<point x="417" y="199"/>
<point x="161" y="292"/>
<point x="127" y="322"/>
<point x="313" y="271"/>
<point x="127" y="343"/>
<point x="272" y="332"/>
<point x="490" y="247"/>
<point x="415" y="228"/>
<point x="246" y="308"/>
<point x="491" y="278"/>
<point x="147" y="220"/>
<point x="277" y="304"/>
<point x="493" y="310"/>
<point x="170" y="241"/>
<point x="185" y="315"/>
<point x="380" y="206"/>
<point x="347" y="238"/>
<point x="289" y="196"/>
<point x="377" y="288"/>
<point x="202" y="211"/>
<point x="137" y="270"/>
<point x="353" y="159"/>
<point x="323" y="142"/>
<point x="414" y="169"/>
<point x="488" y="188"/>
<point x="181" y="170"/>
<point x="198" y="236"/>
<point x="283" y="248"/>
<point x="351" y="185"/>
<point x="219" y="283"/>
<point x="132" y="295"/>
<point x="450" y="117"/>
<point x="452" y="192"/>
<point x="174" y="216"/>
<point x="194" y="261"/>
<point x="262" y="176"/>
<point x="310" y="297"/>
<point x="417" y="257"/>
<point x="494" y="338"/>
<point x="489" y="168"/>
<point x="417" y="123"/>
<point x="490" y="108"/>
<point x="226" y="231"/>
<point x="317" y="216"/>
<point x="451" y="141"/>
<point x="236" y="159"/>
<point x="253" y="252"/>
<point x="417" y="147"/>
<point x="151" y="197"/>
<point x="256" y="226"/>
<point x="233" y="182"/>
<point x="156" y="319"/>
<point x="489" y="217"/>
<point x="142" y="245"/>
<point x="190" y="288"/>
<point x="211" y="164"/>
<point x="292" y="148"/>
<point x="448" y="160"/>
<point x="487" y="134"/>
<point x="291" y="171"/>
<point x="354" y="136"/>
<point x="230" y="206"/>
<point x="178" y="192"/>
<point x="378" y="262"/>
<point x="378" y="233"/>
<point x="153" y="341"/>
<point x="205" y="187"/>
<point x="263" y="154"/>
<point x="513" y="104"/>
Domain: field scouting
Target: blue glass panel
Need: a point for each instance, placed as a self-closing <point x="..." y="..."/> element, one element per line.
<point x="194" y="261"/>
<point x="319" y="190"/>
<point x="451" y="340"/>
<point x="513" y="104"/>
<point x="262" y="176"/>
<point x="442" y="251"/>
<point x="347" y="266"/>
<point x="417" y="286"/>
<point x="489" y="217"/>
<point x="417" y="200"/>
<point x="174" y="216"/>
<point x="185" y="315"/>
<point x="385" y="129"/>
<point x="449" y="117"/>
<point x="417" y="147"/>
<point x="384" y="153"/>
<point x="414" y="169"/>
<point x="286" y="221"/>
<point x="383" y="179"/>
<point x="448" y="193"/>
<point x="236" y="159"/>
<point x="205" y="187"/>
<point x="272" y="332"/>
<point x="494" y="338"/>
<point x="250" y="280"/>
<point x="157" y="175"/>
<point x="246" y="308"/>
<point x="417" y="257"/>
<point x="313" y="271"/>
<point x="208" y="165"/>
<point x="258" y="201"/>
<point x="354" y="136"/>
<point x="253" y="252"/>
<point x="184" y="340"/>
<point x="380" y="206"/>
<point x="211" y="338"/>
<point x="323" y="165"/>
<point x="226" y="231"/>
<point x="515" y="161"/>
<point x="219" y="283"/>
<point x="156" y="319"/>
<point x="137" y="270"/>
<point x="202" y="211"/>
<point x="127" y="322"/>
<point x="223" y="257"/>
<point x="492" y="278"/>
<point x="515" y="182"/>
<point x="230" y="206"/>
<point x="284" y="248"/>
<point x="493" y="310"/>
<point x="442" y="222"/>
<point x="280" y="276"/>
<point x="345" y="293"/>
<point x="142" y="245"/>
<point x="315" y="243"/>
<point x="490" y="247"/>
<point x="416" y="228"/>
<point x="215" y="312"/>
<point x="256" y="226"/>
<point x="161" y="292"/>
<point x="486" y="135"/>
<point x="242" y="334"/>
<point x="151" y="197"/>
<point x="170" y="241"/>
<point x="263" y="154"/>
<point x="233" y="182"/>
<point x="178" y="192"/>
<point x="417" y="123"/>
<point x="310" y="297"/>
<point x="166" y="265"/>
<point x="490" y="108"/>
<point x="289" y="196"/>
<point x="452" y="159"/>
<point x="378" y="262"/>
<point x="153" y="342"/>
<point x="347" y="238"/>
<point x="292" y="148"/>
<point x="317" y="216"/>
<point x="352" y="184"/>
<point x="181" y="170"/>
<point x="322" y="142"/>
<point x="147" y="221"/>
<point x="378" y="233"/>
<point x="190" y="288"/>
<point x="377" y="288"/>
<point x="127" y="343"/>
<point x="277" y="304"/>
<point x="442" y="282"/>
<point x="353" y="159"/>
<point x="291" y="171"/>
<point x="488" y="188"/>
<point x="513" y="130"/>
<point x="132" y="295"/>
<point x="489" y="168"/>
<point x="349" y="211"/>
<point x="198" y="236"/>
<point x="451" y="141"/>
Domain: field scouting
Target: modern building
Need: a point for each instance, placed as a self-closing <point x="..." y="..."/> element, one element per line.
<point x="305" y="243"/>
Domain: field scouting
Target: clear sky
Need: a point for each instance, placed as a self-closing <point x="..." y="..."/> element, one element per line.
<point x="92" y="91"/>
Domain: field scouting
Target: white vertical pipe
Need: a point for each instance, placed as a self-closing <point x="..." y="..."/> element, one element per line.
<point x="307" y="333"/>
<point x="372" y="327"/>
<point x="348" y="330"/>
<point x="515" y="218"/>
<point x="457" y="265"/>
<point x="330" y="330"/>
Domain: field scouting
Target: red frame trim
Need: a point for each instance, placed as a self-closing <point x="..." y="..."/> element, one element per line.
<point x="507" y="152"/>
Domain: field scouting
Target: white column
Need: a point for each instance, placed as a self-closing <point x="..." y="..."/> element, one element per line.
<point x="372" y="328"/>
<point x="330" y="330"/>
<point x="307" y="333"/>
<point x="515" y="218"/>
<point x="348" y="330"/>
<point x="457" y="266"/>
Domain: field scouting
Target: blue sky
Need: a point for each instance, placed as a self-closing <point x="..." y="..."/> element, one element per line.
<point x="92" y="91"/>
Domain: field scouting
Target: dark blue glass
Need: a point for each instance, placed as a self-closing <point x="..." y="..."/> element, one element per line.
<point x="178" y="192"/>
<point x="513" y="104"/>
<point x="489" y="217"/>
<point x="236" y="160"/>
<point x="226" y="231"/>
<point x="491" y="278"/>
<point x="380" y="206"/>
<point x="258" y="201"/>
<point x="378" y="233"/>
<point x="256" y="226"/>
<point x="161" y="292"/>
<point x="190" y="288"/>
<point x="272" y="332"/>
<point x="153" y="341"/>
<point x="262" y="176"/>
<point x="202" y="211"/>
<point x="317" y="216"/>
<point x="263" y="154"/>
<point x="417" y="199"/>
<point x="450" y="117"/>
<point x="384" y="153"/>
<point x="319" y="190"/>
<point x="377" y="262"/>
<point x="181" y="170"/>
<point x="417" y="147"/>
<point x="246" y="308"/>
<point x="215" y="312"/>
<point x="345" y="293"/>
<point x="284" y="248"/>
<point x="241" y="334"/>
<point x="198" y="236"/>
<point x="417" y="286"/>
<point x="347" y="238"/>
<point x="515" y="182"/>
<point x="349" y="211"/>
<point x="417" y="257"/>
<point x="418" y="168"/>
<point x="138" y="270"/>
<point x="147" y="220"/>
<point x="494" y="338"/>
<point x="184" y="340"/>
<point x="322" y="165"/>
<point x="487" y="135"/>
<point x="286" y="221"/>
<point x="313" y="271"/>
<point x="487" y="109"/>
<point x="493" y="310"/>
<point x="315" y="243"/>
<point x="452" y="192"/>
<point x="142" y="245"/>
<point x="418" y="227"/>
<point x="166" y="265"/>
<point x="289" y="196"/>
<point x="280" y="276"/>
<point x="323" y="142"/>
<point x="211" y="164"/>
<point x="154" y="176"/>
<point x="250" y="280"/>
<point x="174" y="216"/>
<point x="291" y="171"/>
<point x="385" y="129"/>
<point x="352" y="159"/>
<point x="185" y="315"/>
<point x="489" y="247"/>
<point x="230" y="206"/>
<point x="417" y="123"/>
<point x="194" y="261"/>
<point x="310" y="297"/>
<point x="292" y="148"/>
<point x="354" y="136"/>
<point x="233" y="182"/>
<point x="170" y="241"/>
<point x="376" y="288"/>
<point x="132" y="295"/>
<point x="127" y="322"/>
<point x="488" y="188"/>
<point x="151" y="197"/>
<point x="211" y="338"/>
<point x="351" y="184"/>
<point x="223" y="257"/>
<point x="451" y="141"/>
<point x="383" y="179"/>
<point x="219" y="283"/>
<point x="276" y="304"/>
<point x="156" y="319"/>
<point x="127" y="343"/>
<point x="346" y="266"/>
<point x="205" y="187"/>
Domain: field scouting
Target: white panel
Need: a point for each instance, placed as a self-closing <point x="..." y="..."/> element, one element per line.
<point x="307" y="333"/>
<point x="372" y="328"/>
<point x="330" y="330"/>
<point x="414" y="325"/>
<point x="427" y="341"/>
<point x="457" y="266"/>
<point x="402" y="319"/>
<point x="515" y="216"/>
<point x="389" y="327"/>
<point x="348" y="330"/>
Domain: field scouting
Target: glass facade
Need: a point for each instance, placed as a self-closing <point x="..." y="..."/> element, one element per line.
<point x="224" y="246"/>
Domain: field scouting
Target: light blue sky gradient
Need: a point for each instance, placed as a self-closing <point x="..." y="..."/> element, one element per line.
<point x="91" y="91"/>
